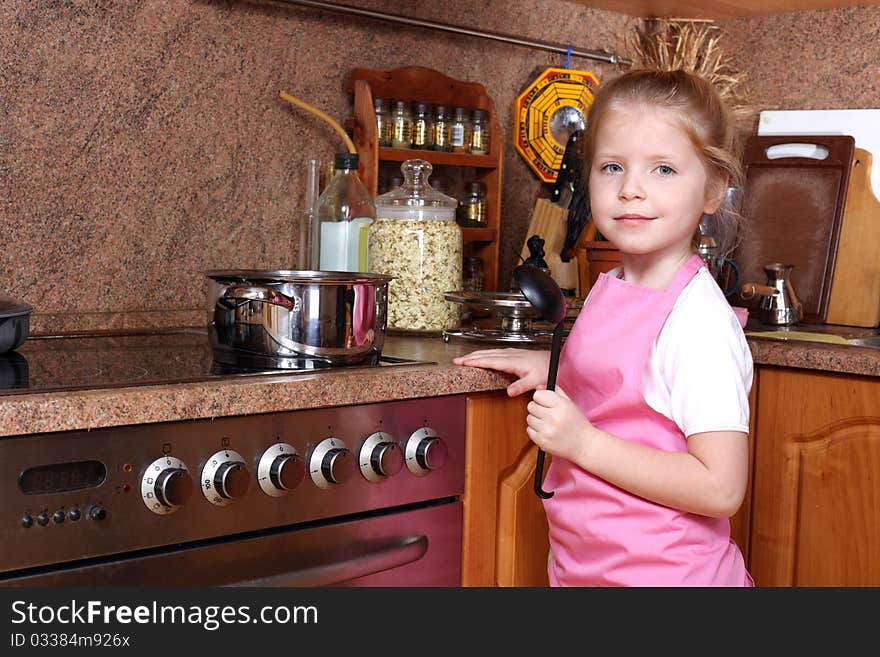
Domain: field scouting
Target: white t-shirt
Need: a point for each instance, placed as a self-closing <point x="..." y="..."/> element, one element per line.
<point x="700" y="369"/>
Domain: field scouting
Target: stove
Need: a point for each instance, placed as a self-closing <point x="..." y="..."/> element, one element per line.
<point x="360" y="495"/>
<point x="112" y="360"/>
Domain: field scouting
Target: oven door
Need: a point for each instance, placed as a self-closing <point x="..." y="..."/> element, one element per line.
<point x="417" y="547"/>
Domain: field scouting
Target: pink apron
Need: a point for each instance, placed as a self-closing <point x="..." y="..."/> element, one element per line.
<point x="601" y="535"/>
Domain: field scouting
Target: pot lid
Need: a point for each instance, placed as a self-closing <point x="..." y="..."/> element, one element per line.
<point x="10" y="307"/>
<point x="303" y="277"/>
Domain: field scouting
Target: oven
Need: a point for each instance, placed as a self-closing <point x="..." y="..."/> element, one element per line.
<point x="365" y="495"/>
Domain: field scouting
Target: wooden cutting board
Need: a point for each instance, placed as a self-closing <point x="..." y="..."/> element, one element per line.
<point x="855" y="286"/>
<point x="793" y="204"/>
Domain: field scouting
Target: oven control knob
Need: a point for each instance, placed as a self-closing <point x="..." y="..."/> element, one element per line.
<point x="280" y="470"/>
<point x="380" y="457"/>
<point x="225" y="477"/>
<point x="425" y="451"/>
<point x="331" y="463"/>
<point x="166" y="485"/>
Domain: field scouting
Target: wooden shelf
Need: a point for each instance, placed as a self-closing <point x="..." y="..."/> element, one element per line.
<point x="715" y="9"/>
<point x="419" y="84"/>
<point x="438" y="157"/>
<point x="479" y="234"/>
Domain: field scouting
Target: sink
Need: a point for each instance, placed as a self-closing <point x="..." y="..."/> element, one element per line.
<point x="827" y="333"/>
<point x="866" y="341"/>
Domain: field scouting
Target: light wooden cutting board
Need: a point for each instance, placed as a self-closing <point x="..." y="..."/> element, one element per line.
<point x="855" y="284"/>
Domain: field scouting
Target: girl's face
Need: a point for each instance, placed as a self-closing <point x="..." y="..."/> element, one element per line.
<point x="648" y="186"/>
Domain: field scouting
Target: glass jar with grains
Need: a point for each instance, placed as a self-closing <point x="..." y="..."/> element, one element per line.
<point x="416" y="240"/>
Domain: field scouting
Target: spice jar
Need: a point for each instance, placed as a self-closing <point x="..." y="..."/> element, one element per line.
<point x="383" y="121"/>
<point x="461" y="131"/>
<point x="478" y="144"/>
<point x="416" y="240"/>
<point x="442" y="129"/>
<point x="423" y="127"/>
<point x="401" y="125"/>
<point x="473" y="209"/>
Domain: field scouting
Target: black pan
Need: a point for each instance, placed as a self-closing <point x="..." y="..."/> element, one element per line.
<point x="14" y="323"/>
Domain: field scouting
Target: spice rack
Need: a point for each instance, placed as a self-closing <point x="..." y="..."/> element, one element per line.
<point x="419" y="84"/>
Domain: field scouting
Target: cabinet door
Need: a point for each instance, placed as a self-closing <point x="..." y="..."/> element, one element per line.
<point x="816" y="512"/>
<point x="505" y="531"/>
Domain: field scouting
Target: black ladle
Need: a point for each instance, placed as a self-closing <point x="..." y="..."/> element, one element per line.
<point x="540" y="290"/>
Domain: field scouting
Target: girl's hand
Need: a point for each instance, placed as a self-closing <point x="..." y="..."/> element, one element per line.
<point x="557" y="425"/>
<point x="529" y="365"/>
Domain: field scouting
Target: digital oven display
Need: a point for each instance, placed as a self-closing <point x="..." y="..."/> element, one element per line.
<point x="62" y="477"/>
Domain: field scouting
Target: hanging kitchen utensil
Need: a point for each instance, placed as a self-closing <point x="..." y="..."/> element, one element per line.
<point x="548" y="111"/>
<point x="571" y="192"/>
<point x="546" y="296"/>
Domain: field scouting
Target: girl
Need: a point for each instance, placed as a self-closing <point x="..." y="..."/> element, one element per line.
<point x="648" y="424"/>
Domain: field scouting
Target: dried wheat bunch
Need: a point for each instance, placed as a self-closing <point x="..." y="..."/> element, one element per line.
<point x="694" y="46"/>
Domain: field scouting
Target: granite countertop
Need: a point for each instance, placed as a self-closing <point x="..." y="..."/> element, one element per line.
<point x="89" y="409"/>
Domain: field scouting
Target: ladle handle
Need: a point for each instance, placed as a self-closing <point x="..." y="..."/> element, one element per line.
<point x="555" y="348"/>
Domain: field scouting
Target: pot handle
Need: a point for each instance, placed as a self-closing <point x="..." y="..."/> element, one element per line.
<point x="262" y="293"/>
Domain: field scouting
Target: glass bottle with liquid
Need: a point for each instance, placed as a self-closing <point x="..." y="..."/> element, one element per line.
<point x="401" y="125"/>
<point x="345" y="212"/>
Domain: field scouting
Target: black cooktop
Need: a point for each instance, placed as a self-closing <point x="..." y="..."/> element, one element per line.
<point x="113" y="360"/>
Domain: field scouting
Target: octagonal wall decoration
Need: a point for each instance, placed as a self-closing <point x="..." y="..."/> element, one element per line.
<point x="547" y="112"/>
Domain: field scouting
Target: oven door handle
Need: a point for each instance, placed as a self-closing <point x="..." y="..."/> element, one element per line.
<point x="393" y="553"/>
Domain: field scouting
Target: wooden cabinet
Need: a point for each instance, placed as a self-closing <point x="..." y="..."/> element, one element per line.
<point x="815" y="517"/>
<point x="505" y="531"/>
<point x="716" y="8"/>
<point x="810" y="517"/>
<point x="419" y="84"/>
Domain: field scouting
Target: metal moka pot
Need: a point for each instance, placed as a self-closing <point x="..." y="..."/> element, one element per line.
<point x="779" y="303"/>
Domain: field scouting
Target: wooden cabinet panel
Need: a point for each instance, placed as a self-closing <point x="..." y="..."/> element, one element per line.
<point x="522" y="545"/>
<point x="816" y="511"/>
<point x="495" y="438"/>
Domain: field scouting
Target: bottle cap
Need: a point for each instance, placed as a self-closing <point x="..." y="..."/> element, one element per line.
<point x="346" y="161"/>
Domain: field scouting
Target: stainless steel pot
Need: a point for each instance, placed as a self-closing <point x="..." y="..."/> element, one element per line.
<point x="338" y="318"/>
<point x="14" y="323"/>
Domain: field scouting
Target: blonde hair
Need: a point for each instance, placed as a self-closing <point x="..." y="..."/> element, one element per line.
<point x="703" y="116"/>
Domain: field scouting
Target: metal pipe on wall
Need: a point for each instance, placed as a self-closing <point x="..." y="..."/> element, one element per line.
<point x="563" y="49"/>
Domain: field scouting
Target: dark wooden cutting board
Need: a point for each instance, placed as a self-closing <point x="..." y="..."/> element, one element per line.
<point x="793" y="207"/>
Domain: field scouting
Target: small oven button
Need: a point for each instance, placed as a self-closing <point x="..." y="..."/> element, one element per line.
<point x="225" y="477"/>
<point x="74" y="514"/>
<point x="380" y="457"/>
<point x="425" y="451"/>
<point x="331" y="463"/>
<point x="43" y="519"/>
<point x="97" y="513"/>
<point x="58" y="517"/>
<point x="27" y="521"/>
<point x="280" y="470"/>
<point x="166" y="485"/>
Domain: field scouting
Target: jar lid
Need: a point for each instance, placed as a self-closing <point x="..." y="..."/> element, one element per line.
<point x="10" y="307"/>
<point x="415" y="198"/>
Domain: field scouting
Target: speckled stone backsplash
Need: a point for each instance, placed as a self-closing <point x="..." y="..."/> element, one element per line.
<point x="143" y="142"/>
